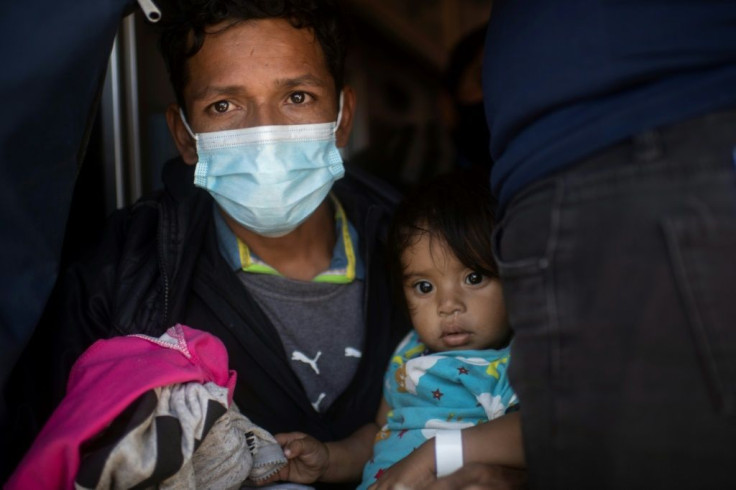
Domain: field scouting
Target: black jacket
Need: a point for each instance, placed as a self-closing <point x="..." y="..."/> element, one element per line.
<point x="158" y="264"/>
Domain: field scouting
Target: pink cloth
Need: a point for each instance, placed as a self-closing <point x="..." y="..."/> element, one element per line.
<point x="108" y="377"/>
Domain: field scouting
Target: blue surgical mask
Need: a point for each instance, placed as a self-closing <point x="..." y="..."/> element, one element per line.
<point x="270" y="179"/>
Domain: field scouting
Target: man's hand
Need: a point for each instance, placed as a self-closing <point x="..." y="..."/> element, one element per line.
<point x="417" y="470"/>
<point x="308" y="458"/>
<point x="479" y="476"/>
<point x="414" y="471"/>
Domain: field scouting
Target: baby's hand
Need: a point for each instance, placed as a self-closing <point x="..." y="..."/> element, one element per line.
<point x="308" y="458"/>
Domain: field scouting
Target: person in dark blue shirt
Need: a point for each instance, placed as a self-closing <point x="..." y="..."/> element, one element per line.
<point x="613" y="130"/>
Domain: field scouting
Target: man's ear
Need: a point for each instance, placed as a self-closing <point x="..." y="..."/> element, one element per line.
<point x="183" y="140"/>
<point x="348" y="111"/>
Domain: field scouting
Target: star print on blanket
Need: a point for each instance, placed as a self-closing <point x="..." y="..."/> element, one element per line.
<point x="430" y="392"/>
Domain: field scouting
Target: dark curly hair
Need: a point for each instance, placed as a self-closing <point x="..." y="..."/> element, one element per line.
<point x="456" y="208"/>
<point x="184" y="24"/>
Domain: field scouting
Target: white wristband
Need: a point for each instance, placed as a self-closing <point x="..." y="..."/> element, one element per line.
<point x="448" y="451"/>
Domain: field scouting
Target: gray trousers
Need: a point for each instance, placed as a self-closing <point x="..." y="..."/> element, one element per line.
<point x="620" y="280"/>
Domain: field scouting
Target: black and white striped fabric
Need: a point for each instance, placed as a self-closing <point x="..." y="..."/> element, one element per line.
<point x="181" y="436"/>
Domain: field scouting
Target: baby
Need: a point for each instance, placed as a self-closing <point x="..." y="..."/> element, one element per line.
<point x="447" y="398"/>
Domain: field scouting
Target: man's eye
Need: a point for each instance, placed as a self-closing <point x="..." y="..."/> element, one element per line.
<point x="474" y="278"/>
<point x="423" y="287"/>
<point x="298" y="97"/>
<point x="221" y="106"/>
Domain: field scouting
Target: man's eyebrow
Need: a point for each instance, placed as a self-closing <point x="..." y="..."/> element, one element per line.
<point x="301" y="80"/>
<point x="213" y="90"/>
<point x="229" y="90"/>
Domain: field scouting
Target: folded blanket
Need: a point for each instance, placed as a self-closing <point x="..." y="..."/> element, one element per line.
<point x="180" y="437"/>
<point x="149" y="412"/>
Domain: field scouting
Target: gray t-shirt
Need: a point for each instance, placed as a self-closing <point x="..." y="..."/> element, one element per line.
<point x="321" y="329"/>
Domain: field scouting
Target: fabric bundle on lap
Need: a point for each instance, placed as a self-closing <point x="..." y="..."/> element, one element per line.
<point x="143" y="411"/>
<point x="179" y="437"/>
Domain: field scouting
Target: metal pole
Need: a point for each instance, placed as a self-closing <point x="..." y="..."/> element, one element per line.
<point x="113" y="121"/>
<point x="132" y="116"/>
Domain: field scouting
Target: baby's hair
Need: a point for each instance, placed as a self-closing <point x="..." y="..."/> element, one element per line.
<point x="456" y="208"/>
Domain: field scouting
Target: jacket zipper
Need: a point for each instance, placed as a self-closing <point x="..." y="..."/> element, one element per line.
<point x="162" y="266"/>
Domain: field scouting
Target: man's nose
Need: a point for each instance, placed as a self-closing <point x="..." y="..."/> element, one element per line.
<point x="265" y="115"/>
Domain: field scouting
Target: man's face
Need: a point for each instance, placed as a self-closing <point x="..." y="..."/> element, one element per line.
<point x="259" y="73"/>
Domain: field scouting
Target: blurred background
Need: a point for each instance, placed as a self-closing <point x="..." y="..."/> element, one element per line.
<point x="399" y="53"/>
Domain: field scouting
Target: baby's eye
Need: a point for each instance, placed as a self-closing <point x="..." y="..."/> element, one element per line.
<point x="474" y="278"/>
<point x="297" y="97"/>
<point x="423" y="287"/>
<point x="221" y="106"/>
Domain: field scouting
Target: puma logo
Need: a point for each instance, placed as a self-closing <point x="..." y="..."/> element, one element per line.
<point x="319" y="400"/>
<point x="351" y="352"/>
<point x="298" y="356"/>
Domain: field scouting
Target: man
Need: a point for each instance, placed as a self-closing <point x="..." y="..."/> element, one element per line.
<point x="249" y="240"/>
<point x="613" y="130"/>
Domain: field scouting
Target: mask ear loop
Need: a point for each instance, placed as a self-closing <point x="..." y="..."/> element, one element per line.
<point x="339" y="114"/>
<point x="186" y="125"/>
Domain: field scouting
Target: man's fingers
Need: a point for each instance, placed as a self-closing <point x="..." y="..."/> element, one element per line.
<point x="302" y="446"/>
<point x="476" y="476"/>
<point x="285" y="437"/>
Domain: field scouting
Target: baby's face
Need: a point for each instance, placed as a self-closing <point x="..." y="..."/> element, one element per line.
<point x="451" y="307"/>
